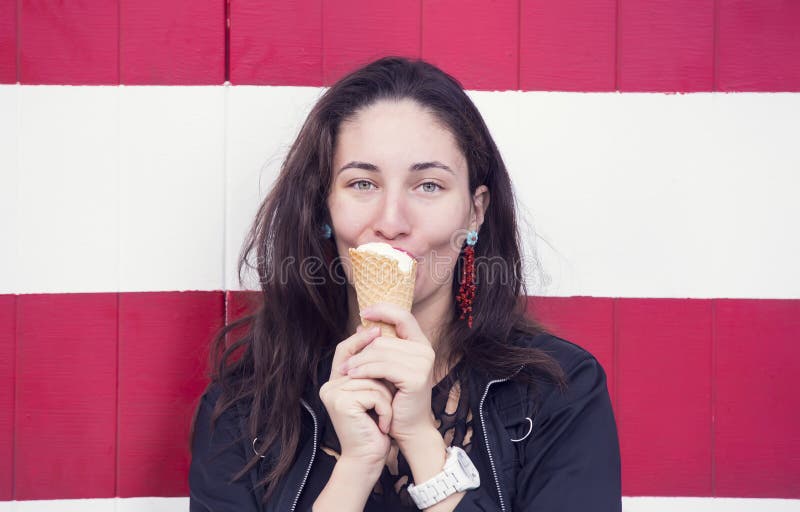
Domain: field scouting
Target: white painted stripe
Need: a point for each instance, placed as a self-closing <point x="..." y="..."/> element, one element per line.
<point x="630" y="195"/>
<point x="660" y="504"/>
<point x="9" y="221"/>
<point x="152" y="504"/>
<point x="67" y="232"/>
<point x="655" y="195"/>
<point x="629" y="504"/>
<point x="172" y="188"/>
<point x="88" y="505"/>
<point x="262" y="123"/>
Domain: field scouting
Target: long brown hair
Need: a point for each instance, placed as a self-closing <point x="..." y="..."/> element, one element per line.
<point x="303" y="309"/>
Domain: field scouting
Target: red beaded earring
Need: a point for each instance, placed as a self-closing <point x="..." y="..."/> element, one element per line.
<point x="466" y="292"/>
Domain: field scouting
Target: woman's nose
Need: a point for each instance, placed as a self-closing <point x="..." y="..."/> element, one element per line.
<point x="391" y="219"/>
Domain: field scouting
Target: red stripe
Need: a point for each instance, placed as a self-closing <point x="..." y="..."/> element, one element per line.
<point x="705" y="390"/>
<point x="666" y="45"/>
<point x="71" y="43"/>
<point x="179" y="42"/>
<point x="602" y="45"/>
<point x="276" y="43"/>
<point x="237" y="305"/>
<point x="355" y="32"/>
<point x="757" y="444"/>
<point x="474" y="40"/>
<point x="758" y="46"/>
<point x="66" y="411"/>
<point x="664" y="396"/>
<point x="586" y="321"/>
<point x="8" y="42"/>
<point x="163" y="361"/>
<point x="568" y="45"/>
<point x="8" y="326"/>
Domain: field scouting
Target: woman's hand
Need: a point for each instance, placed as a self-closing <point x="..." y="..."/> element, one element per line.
<point x="347" y="400"/>
<point x="406" y="362"/>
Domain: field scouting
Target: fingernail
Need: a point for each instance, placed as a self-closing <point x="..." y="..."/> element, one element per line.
<point x="375" y="330"/>
<point x="343" y="369"/>
<point x="353" y="371"/>
<point x="367" y="312"/>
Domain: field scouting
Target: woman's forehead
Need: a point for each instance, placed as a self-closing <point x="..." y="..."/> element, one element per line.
<point x="397" y="130"/>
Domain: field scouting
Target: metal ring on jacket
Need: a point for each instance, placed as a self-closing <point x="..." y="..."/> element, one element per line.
<point x="530" y="429"/>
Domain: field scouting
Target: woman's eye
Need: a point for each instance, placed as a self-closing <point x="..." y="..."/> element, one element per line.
<point x="361" y="185"/>
<point x="430" y="186"/>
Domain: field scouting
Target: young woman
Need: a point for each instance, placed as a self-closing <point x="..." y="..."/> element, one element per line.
<point x="473" y="406"/>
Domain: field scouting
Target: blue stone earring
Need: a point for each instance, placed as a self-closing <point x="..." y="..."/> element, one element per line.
<point x="472" y="237"/>
<point x="327" y="232"/>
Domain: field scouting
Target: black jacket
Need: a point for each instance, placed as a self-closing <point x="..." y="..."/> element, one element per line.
<point x="568" y="461"/>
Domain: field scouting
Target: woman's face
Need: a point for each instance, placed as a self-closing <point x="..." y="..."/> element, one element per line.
<point x="400" y="178"/>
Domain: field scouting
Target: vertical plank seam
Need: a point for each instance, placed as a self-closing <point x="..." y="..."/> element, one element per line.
<point x="225" y="308"/>
<point x="116" y="432"/>
<point x="421" y="17"/>
<point x="714" y="349"/>
<point x="323" y="78"/>
<point x="119" y="99"/>
<point x="618" y="49"/>
<point x="15" y="316"/>
<point x="15" y="331"/>
<point x="227" y="41"/>
<point x="118" y="192"/>
<point x="615" y="349"/>
<point x="715" y="50"/>
<point x="225" y="104"/>
<point x="19" y="47"/>
<point x="119" y="43"/>
<point x="519" y="45"/>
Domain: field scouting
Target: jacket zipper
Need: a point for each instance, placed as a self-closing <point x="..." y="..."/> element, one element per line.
<point x="488" y="443"/>
<point x="313" y="454"/>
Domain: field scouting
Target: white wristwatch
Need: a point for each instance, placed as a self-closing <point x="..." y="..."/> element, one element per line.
<point x="459" y="474"/>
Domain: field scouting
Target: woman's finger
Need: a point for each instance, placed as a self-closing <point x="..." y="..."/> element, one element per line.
<point x="408" y="355"/>
<point x="367" y="385"/>
<point x="351" y="346"/>
<point x="393" y="348"/>
<point x="404" y="322"/>
<point x="373" y="399"/>
<point x="400" y="376"/>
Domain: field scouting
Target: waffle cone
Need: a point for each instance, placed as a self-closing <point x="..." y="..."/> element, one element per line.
<point x="378" y="278"/>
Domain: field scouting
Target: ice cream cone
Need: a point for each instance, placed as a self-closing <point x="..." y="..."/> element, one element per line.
<point x="379" y="278"/>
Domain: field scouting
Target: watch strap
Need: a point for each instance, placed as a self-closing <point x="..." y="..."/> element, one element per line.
<point x="450" y="480"/>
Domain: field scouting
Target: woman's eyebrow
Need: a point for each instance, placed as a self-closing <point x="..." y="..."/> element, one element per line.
<point x="427" y="165"/>
<point x="358" y="165"/>
<point x="421" y="166"/>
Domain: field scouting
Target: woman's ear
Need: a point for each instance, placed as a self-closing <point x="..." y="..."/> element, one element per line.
<point x="480" y="203"/>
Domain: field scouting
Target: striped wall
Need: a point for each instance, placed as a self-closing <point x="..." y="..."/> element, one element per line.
<point x="137" y="138"/>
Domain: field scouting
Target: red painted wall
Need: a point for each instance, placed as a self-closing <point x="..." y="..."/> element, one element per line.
<point x="106" y="384"/>
<point x="566" y="45"/>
